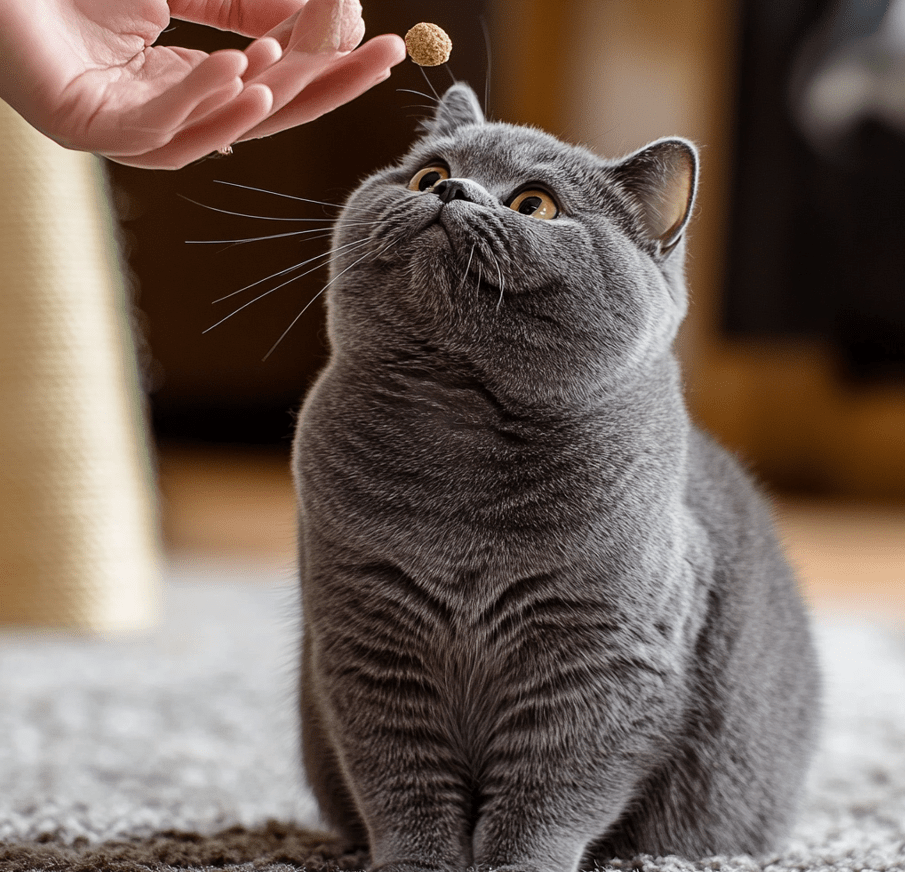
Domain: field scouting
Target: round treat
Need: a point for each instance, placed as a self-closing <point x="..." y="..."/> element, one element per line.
<point x="428" y="45"/>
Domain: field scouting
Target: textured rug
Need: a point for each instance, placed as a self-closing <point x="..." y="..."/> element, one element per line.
<point x="176" y="750"/>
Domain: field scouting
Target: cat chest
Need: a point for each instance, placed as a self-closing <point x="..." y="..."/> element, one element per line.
<point x="538" y="649"/>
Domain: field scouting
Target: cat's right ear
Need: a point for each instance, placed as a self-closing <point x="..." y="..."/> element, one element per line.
<point x="457" y="107"/>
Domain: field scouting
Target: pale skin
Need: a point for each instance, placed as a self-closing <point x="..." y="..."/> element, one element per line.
<point x="86" y="72"/>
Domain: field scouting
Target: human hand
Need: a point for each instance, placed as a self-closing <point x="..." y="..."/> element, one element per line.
<point x="86" y="74"/>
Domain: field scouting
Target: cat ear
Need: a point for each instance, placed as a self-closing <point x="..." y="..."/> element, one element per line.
<point x="458" y="106"/>
<point x="661" y="179"/>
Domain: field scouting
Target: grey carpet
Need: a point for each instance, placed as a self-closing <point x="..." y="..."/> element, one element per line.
<point x="177" y="750"/>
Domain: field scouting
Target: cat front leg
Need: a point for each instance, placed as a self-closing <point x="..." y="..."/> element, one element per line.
<point x="545" y="824"/>
<point x="570" y="750"/>
<point x="326" y="778"/>
<point x="385" y="718"/>
<point x="410" y="796"/>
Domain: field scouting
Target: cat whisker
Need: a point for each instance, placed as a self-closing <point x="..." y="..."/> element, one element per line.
<point x="261" y="297"/>
<point x="317" y="295"/>
<point x="419" y="93"/>
<point x="486" y="31"/>
<point x="321" y="230"/>
<point x="429" y="83"/>
<point x="290" y="196"/>
<point x="323" y="256"/>
<point x="248" y="215"/>
<point x="496" y="263"/>
<point x="275" y="275"/>
<point x="467" y="267"/>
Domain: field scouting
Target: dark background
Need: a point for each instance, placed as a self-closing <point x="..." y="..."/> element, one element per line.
<point x="815" y="247"/>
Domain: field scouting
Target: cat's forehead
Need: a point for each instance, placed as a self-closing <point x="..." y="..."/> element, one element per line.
<point x="503" y="153"/>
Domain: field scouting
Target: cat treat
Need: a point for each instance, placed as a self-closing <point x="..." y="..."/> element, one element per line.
<point x="428" y="45"/>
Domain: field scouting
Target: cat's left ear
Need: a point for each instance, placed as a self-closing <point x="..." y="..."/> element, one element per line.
<point x="661" y="179"/>
<point x="457" y="107"/>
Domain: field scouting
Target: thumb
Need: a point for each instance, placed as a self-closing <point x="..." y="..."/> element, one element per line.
<point x="248" y="17"/>
<point x="322" y="26"/>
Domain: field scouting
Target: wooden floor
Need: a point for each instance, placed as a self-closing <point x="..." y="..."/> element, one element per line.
<point x="239" y="504"/>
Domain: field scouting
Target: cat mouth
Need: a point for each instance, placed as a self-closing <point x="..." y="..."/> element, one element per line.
<point x="475" y="257"/>
<point x="454" y="244"/>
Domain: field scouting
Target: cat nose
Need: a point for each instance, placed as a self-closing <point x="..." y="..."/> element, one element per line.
<point x="450" y="189"/>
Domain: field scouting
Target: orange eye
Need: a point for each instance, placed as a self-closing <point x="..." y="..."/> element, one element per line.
<point x="536" y="204"/>
<point x="425" y="179"/>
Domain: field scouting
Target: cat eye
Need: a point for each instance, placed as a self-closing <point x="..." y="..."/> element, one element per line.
<point x="535" y="203"/>
<point x="425" y="179"/>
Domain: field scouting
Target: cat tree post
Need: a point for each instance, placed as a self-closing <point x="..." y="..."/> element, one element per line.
<point x="78" y="541"/>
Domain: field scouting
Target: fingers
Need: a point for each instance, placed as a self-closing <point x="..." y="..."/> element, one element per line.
<point x="213" y="82"/>
<point x="345" y="80"/>
<point x="208" y="110"/>
<point x="261" y="54"/>
<point x="211" y="104"/>
<point x="292" y="74"/>
<point x="221" y="129"/>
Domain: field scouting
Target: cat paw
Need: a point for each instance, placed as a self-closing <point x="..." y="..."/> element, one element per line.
<point x="414" y="866"/>
<point x="508" y="867"/>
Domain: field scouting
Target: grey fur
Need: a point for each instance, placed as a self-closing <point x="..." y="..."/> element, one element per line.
<point x="546" y="618"/>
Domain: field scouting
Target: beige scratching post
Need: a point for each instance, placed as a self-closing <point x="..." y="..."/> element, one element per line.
<point x="78" y="527"/>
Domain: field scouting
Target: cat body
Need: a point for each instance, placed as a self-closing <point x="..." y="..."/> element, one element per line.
<point x="546" y="620"/>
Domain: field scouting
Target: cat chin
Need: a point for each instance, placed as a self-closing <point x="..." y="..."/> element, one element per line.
<point x="407" y="247"/>
<point x="402" y="224"/>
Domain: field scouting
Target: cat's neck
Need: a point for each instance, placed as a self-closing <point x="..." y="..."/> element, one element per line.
<point x="650" y="392"/>
<point x="458" y="447"/>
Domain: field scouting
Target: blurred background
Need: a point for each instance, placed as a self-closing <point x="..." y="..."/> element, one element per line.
<point x="795" y="346"/>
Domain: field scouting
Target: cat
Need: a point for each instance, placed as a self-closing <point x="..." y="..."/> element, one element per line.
<point x="546" y="619"/>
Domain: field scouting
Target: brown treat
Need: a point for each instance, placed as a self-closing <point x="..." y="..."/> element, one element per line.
<point x="428" y="45"/>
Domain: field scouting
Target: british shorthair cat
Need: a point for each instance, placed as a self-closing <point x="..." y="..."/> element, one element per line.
<point x="546" y="619"/>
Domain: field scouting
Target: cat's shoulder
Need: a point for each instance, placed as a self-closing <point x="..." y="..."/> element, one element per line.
<point x="724" y="494"/>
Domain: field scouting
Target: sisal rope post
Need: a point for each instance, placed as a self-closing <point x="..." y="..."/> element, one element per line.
<point x="78" y="527"/>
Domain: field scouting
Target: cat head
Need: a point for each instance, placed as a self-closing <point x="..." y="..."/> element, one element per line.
<point x="546" y="272"/>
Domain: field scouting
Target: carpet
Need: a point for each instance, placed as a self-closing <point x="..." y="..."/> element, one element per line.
<point x="177" y="749"/>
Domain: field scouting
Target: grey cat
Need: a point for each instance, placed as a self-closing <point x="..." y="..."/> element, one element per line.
<point x="546" y="619"/>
